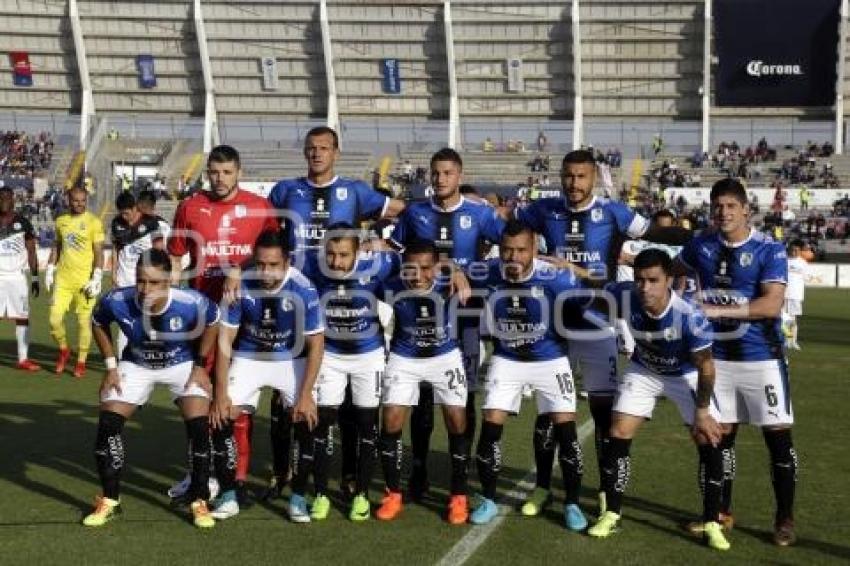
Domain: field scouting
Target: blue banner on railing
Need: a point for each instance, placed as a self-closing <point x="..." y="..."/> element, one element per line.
<point x="392" y="77"/>
<point x="147" y="73"/>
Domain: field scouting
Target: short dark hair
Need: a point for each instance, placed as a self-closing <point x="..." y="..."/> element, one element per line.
<point x="224" y="154"/>
<point x="515" y="228"/>
<point x="321" y="131"/>
<point x="154" y="257"/>
<point x="447" y="154"/>
<point x="125" y="201"/>
<point x="653" y="257"/>
<point x="420" y="247"/>
<point x="342" y="231"/>
<point x="147" y="196"/>
<point x="795" y="243"/>
<point x="663" y="213"/>
<point x="729" y="187"/>
<point x="578" y="156"/>
<point x="272" y="239"/>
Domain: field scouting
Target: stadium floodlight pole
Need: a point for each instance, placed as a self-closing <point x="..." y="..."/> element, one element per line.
<point x="87" y="110"/>
<point x="454" y="112"/>
<point x="578" y="100"/>
<point x="211" y="133"/>
<point x="839" y="79"/>
<point x="706" y="79"/>
<point x="330" y="77"/>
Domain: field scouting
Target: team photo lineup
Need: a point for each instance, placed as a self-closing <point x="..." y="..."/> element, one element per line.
<point x="359" y="312"/>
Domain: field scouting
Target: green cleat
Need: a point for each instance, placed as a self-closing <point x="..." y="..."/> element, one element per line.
<point x="320" y="509"/>
<point x="105" y="510"/>
<point x="360" y="508"/>
<point x="713" y="536"/>
<point x="606" y="526"/>
<point x="536" y="502"/>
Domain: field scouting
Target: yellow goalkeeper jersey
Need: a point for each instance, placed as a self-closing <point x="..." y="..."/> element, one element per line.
<point x="76" y="236"/>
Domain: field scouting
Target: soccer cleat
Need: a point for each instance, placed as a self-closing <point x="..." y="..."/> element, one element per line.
<point x="105" y="510"/>
<point x="80" y="370"/>
<point x="298" y="509"/>
<point x="181" y="489"/>
<point x="484" y="513"/>
<point x="274" y="489"/>
<point x="62" y="360"/>
<point x="713" y="536"/>
<point x="574" y="518"/>
<point x="201" y="516"/>
<point x="536" y="502"/>
<point x="28" y="365"/>
<point x="606" y="525"/>
<point x="391" y="506"/>
<point x="360" y="508"/>
<point x="321" y="507"/>
<point x="225" y="506"/>
<point x="458" y="512"/>
<point x="726" y="520"/>
<point x="783" y="533"/>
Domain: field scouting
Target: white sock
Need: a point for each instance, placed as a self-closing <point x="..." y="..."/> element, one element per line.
<point x="22" y="334"/>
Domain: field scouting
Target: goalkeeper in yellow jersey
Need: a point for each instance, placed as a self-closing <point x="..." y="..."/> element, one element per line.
<point x="74" y="273"/>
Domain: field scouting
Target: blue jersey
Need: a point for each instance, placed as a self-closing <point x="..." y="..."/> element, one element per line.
<point x="423" y="327"/>
<point x="457" y="233"/>
<point x="733" y="274"/>
<point x="350" y="302"/>
<point x="663" y="344"/>
<point x="272" y="323"/>
<point x="160" y="340"/>
<point x="312" y="208"/>
<point x="523" y="314"/>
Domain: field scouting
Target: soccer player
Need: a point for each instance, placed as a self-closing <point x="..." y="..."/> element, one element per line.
<point x="584" y="231"/>
<point x="798" y="268"/>
<point x="163" y="325"/>
<point x="672" y="358"/>
<point x="146" y="201"/>
<point x="742" y="276"/>
<point x="526" y="304"/>
<point x="17" y="252"/>
<point x="458" y="227"/>
<point x="76" y="267"/>
<point x="277" y="328"/>
<point x="217" y="229"/>
<point x="348" y="281"/>
<point x="423" y="348"/>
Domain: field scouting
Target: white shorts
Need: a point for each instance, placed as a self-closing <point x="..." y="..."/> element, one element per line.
<point x="366" y="371"/>
<point x="596" y="361"/>
<point x="551" y="381"/>
<point x="247" y="377"/>
<point x="640" y="388"/>
<point x="137" y="383"/>
<point x="14" y="297"/>
<point x="757" y="393"/>
<point x="792" y="307"/>
<point x="445" y="373"/>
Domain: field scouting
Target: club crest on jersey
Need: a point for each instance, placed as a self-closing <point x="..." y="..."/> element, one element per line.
<point x="466" y="222"/>
<point x="175" y="324"/>
<point x="240" y="211"/>
<point x="287" y="305"/>
<point x="746" y="259"/>
<point x="537" y="292"/>
<point x="596" y="215"/>
<point x="341" y="193"/>
<point x="670" y="334"/>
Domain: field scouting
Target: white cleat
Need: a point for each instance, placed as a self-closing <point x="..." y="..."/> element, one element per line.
<point x="181" y="488"/>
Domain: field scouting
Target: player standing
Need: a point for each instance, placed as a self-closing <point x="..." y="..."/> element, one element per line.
<point x="798" y="269"/>
<point x="76" y="267"/>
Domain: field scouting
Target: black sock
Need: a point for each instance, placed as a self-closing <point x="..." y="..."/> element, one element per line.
<point x="727" y="452"/>
<point x="280" y="433"/>
<point x="109" y="452"/>
<point x="711" y="471"/>
<point x="323" y="448"/>
<point x="616" y="470"/>
<point x="600" y="410"/>
<point x="198" y="432"/>
<point x="488" y="458"/>
<point x="471" y="417"/>
<point x="459" y="453"/>
<point x="783" y="470"/>
<point x="544" y="450"/>
<point x="391" y="452"/>
<point x="348" y="435"/>
<point x="570" y="457"/>
<point x="421" y="427"/>
<point x="367" y="440"/>
<point x="304" y="446"/>
<point x="224" y="456"/>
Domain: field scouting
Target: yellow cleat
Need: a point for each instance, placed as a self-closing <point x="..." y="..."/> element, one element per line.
<point x="105" y="510"/>
<point x="201" y="516"/>
<point x="605" y="526"/>
<point x="713" y="536"/>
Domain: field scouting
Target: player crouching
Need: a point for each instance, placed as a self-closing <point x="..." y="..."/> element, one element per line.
<point x="162" y="325"/>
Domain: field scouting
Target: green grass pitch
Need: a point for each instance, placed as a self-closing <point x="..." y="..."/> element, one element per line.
<point x="48" y="480"/>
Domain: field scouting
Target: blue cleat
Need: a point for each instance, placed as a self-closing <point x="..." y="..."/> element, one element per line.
<point x="298" y="512"/>
<point x="484" y="513"/>
<point x="574" y="518"/>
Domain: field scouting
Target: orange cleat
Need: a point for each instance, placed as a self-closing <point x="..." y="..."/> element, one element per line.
<point x="391" y="506"/>
<point x="458" y="510"/>
<point x="80" y="370"/>
<point x="62" y="360"/>
<point x="28" y="365"/>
